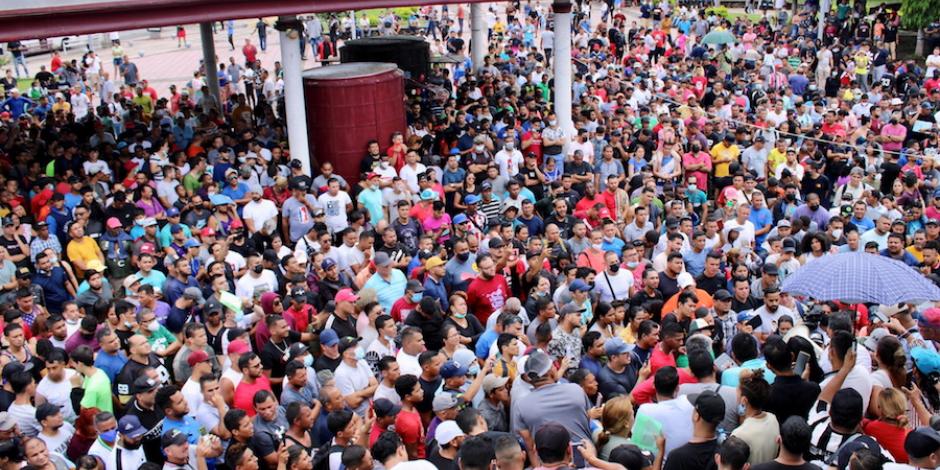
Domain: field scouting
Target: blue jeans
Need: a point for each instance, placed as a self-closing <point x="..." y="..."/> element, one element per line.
<point x="20" y="61"/>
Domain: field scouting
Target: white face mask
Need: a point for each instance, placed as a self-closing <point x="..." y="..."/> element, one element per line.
<point x="153" y="326"/>
<point x="837" y="233"/>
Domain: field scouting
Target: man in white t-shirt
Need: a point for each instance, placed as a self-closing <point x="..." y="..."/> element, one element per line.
<point x="56" y="386"/>
<point x="56" y="432"/>
<point x="336" y="204"/>
<point x="674" y="414"/>
<point x="746" y="227"/>
<point x="509" y="159"/>
<point x="614" y="283"/>
<point x="256" y="280"/>
<point x="258" y="211"/>
<point x="354" y="376"/>
<point x="410" y="171"/>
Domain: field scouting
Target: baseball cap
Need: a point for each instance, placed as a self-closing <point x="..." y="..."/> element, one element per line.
<point x="871" y="342"/>
<point x="537" y="364"/>
<point x="23" y="273"/>
<point x="130" y="280"/>
<point x="193" y="293"/>
<point x="710" y="406"/>
<point x="148" y="222"/>
<point x="384" y="407"/>
<point x="129" y="426"/>
<point x="428" y="195"/>
<point x="328" y="337"/>
<point x="144" y="384"/>
<point x="569" y="309"/>
<point x="46" y="410"/>
<point x="770" y="269"/>
<point x="298" y="293"/>
<point x="918" y="444"/>
<point x="173" y="437"/>
<point x="196" y="357"/>
<point x="191" y="243"/>
<point x="789" y="245"/>
<point x="176" y="228"/>
<point x="930" y="318"/>
<point x="492" y="382"/>
<point x="486" y="185"/>
<point x="672" y="222"/>
<point x="414" y="286"/>
<point x="722" y="294"/>
<point x="297" y="350"/>
<point x="382" y="259"/>
<point x="113" y="222"/>
<point x="207" y="232"/>
<point x="495" y="243"/>
<point x="745" y="316"/>
<point x="328" y="263"/>
<point x="465" y="357"/>
<point x="893" y="309"/>
<point x="447" y="432"/>
<point x="433" y="262"/>
<point x="451" y="369"/>
<point x="685" y="280"/>
<point x="445" y="401"/>
<point x="345" y="295"/>
<point x="460" y="218"/>
<point x="348" y="342"/>
<point x="172" y="212"/>
<point x="849" y="448"/>
<point x="631" y="457"/>
<point x="578" y="286"/>
<point x="615" y="346"/>
<point x="699" y="324"/>
<point x="148" y="248"/>
<point x="552" y="435"/>
<point x="926" y="361"/>
<point x="95" y="265"/>
<point x="472" y="199"/>
<point x="933" y="221"/>
<point x="238" y="347"/>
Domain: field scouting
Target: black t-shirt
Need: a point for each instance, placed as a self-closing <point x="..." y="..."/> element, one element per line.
<point x="441" y="462"/>
<point x="772" y="465"/>
<point x="668" y="286"/>
<point x="274" y="356"/>
<point x="430" y="388"/>
<point x="749" y="304"/>
<point x="133" y="369"/>
<point x="711" y="284"/>
<point x="124" y="336"/>
<point x="889" y="172"/>
<point x="152" y="421"/>
<point x="791" y="396"/>
<point x="13" y="248"/>
<point x="698" y="456"/>
<point x="325" y="363"/>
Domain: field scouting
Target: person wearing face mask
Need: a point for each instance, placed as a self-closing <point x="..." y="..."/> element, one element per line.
<point x="354" y="376"/>
<point x="509" y="159"/>
<point x="106" y="427"/>
<point x="127" y="452"/>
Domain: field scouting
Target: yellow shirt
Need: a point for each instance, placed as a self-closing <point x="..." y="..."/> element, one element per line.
<point x="775" y="159"/>
<point x="85" y="250"/>
<point x="919" y="254"/>
<point x="720" y="151"/>
<point x="627" y="336"/>
<point x="861" y="62"/>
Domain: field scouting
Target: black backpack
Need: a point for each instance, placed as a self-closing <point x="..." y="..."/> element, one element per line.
<point x="321" y="456"/>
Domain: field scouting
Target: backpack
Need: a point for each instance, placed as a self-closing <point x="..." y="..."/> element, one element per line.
<point x="321" y="456"/>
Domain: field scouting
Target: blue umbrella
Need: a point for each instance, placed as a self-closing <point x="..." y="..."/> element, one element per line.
<point x="861" y="278"/>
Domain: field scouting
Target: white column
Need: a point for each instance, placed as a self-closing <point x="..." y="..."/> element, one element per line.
<point x="562" y="65"/>
<point x="294" y="95"/>
<point x="478" y="41"/>
<point x="352" y="33"/>
<point x="824" y="10"/>
<point x="208" y="57"/>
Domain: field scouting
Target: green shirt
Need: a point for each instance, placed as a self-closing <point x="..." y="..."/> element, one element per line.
<point x="191" y="182"/>
<point x="98" y="392"/>
<point x="161" y="339"/>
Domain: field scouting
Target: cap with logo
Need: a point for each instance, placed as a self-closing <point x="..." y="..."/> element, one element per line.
<point x="452" y="369"/>
<point x="129" y="426"/>
<point x="173" y="437"/>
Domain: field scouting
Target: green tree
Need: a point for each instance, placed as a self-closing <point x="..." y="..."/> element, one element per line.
<point x="917" y="14"/>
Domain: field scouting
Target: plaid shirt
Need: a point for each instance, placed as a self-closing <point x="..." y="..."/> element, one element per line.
<point x="37" y="245"/>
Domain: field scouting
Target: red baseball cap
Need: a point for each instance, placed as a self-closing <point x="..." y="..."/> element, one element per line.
<point x="238" y="347"/>
<point x="196" y="357"/>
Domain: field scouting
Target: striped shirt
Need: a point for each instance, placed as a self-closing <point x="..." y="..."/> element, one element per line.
<point x="37" y="245"/>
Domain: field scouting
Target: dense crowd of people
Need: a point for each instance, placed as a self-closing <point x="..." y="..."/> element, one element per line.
<point x="496" y="288"/>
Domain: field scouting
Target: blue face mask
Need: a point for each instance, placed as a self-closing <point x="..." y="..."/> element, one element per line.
<point x="474" y="369"/>
<point x="308" y="360"/>
<point x="416" y="297"/>
<point x="742" y="410"/>
<point x="360" y="354"/>
<point x="109" y="436"/>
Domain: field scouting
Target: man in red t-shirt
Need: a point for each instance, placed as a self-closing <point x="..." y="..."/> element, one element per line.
<point x="664" y="354"/>
<point x="408" y="423"/>
<point x="489" y="291"/>
<point x="253" y="381"/>
<point x="250" y="52"/>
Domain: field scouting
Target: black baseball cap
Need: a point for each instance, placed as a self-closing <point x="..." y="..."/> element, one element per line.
<point x="631" y="457"/>
<point x="722" y="294"/>
<point x="144" y="384"/>
<point x="710" y="406"/>
<point x="384" y="408"/>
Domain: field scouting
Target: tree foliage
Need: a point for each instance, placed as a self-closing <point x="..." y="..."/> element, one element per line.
<point x="916" y="14"/>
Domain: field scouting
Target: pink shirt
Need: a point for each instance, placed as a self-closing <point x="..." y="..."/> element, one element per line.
<point x="895" y="130"/>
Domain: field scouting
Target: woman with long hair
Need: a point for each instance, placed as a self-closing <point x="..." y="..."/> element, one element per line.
<point x="603" y="320"/>
<point x="468" y="326"/>
<point x="891" y="360"/>
<point x="617" y="420"/>
<point x="85" y="434"/>
<point x="892" y="426"/>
